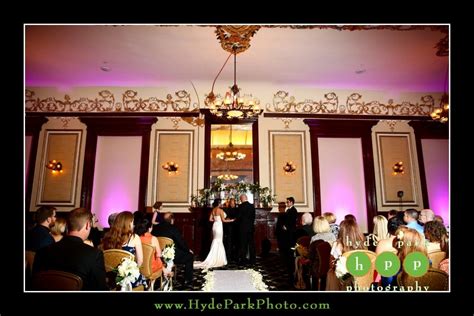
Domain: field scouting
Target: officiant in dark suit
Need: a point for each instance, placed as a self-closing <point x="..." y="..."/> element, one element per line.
<point x="246" y="220"/>
<point x="231" y="233"/>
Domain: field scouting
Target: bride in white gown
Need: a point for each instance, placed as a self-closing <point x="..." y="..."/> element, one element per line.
<point x="216" y="257"/>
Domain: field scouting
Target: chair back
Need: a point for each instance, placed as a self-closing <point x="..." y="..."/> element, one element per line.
<point x="434" y="279"/>
<point x="436" y="257"/>
<point x="366" y="280"/>
<point x="53" y="280"/>
<point x="163" y="241"/>
<point x="30" y="258"/>
<point x="148" y="253"/>
<point x="113" y="257"/>
<point x="322" y="255"/>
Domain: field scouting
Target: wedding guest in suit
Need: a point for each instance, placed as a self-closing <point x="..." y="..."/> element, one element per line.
<point x="40" y="236"/>
<point x="307" y="226"/>
<point x="72" y="255"/>
<point x="392" y="213"/>
<point x="246" y="220"/>
<point x="183" y="255"/>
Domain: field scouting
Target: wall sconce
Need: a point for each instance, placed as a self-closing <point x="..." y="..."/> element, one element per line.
<point x="171" y="167"/>
<point x="398" y="168"/>
<point x="289" y="168"/>
<point x="55" y="166"/>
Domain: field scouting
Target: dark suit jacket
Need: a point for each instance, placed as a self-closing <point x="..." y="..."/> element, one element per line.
<point x="38" y="237"/>
<point x="72" y="255"/>
<point x="165" y="229"/>
<point x="246" y="217"/>
<point x="291" y="217"/>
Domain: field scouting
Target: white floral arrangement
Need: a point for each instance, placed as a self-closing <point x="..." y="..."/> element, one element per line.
<point x="168" y="253"/>
<point x="209" y="281"/>
<point x="257" y="280"/>
<point x="127" y="272"/>
<point x="341" y="269"/>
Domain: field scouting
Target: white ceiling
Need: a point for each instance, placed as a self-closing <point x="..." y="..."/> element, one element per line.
<point x="149" y="55"/>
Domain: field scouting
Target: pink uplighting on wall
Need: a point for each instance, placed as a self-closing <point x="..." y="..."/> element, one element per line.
<point x="116" y="176"/>
<point x="342" y="178"/>
<point x="436" y="162"/>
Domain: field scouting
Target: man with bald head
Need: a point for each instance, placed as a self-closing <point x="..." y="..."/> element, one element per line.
<point x="426" y="215"/>
<point x="246" y="219"/>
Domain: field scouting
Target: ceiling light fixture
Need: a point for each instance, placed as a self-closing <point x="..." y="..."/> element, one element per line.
<point x="230" y="153"/>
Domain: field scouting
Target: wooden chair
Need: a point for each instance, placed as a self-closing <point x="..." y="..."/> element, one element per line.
<point x="320" y="255"/>
<point x="112" y="258"/>
<point x="164" y="241"/>
<point x="436" y="257"/>
<point x="30" y="258"/>
<point x="364" y="282"/>
<point x="434" y="279"/>
<point x="53" y="280"/>
<point x="146" y="268"/>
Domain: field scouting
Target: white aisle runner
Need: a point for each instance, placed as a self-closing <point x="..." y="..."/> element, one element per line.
<point x="234" y="281"/>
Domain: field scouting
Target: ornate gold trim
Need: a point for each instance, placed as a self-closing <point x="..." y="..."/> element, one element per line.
<point x="106" y="103"/>
<point x="236" y="38"/>
<point x="353" y="106"/>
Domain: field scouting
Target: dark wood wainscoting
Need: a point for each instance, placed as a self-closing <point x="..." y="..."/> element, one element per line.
<point x="197" y="230"/>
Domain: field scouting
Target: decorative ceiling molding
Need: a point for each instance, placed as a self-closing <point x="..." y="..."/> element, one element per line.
<point x="241" y="34"/>
<point x="282" y="103"/>
<point x="106" y="103"/>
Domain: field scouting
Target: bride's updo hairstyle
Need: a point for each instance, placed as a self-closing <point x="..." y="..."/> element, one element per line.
<point x="216" y="202"/>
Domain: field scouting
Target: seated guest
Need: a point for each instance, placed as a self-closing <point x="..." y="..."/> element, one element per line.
<point x="350" y="217"/>
<point x="121" y="236"/>
<point x="387" y="245"/>
<point x="307" y="226"/>
<point x="323" y="230"/>
<point x="331" y="218"/>
<point x="436" y="236"/>
<point x="95" y="236"/>
<point x="392" y="213"/>
<point x="72" y="255"/>
<point x="408" y="240"/>
<point x="426" y="215"/>
<point x="143" y="229"/>
<point x="380" y="232"/>
<point x="411" y="218"/>
<point x="40" y="236"/>
<point x="183" y="255"/>
<point x="58" y="229"/>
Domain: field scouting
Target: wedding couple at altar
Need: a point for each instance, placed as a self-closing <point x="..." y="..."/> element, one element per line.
<point x="245" y="221"/>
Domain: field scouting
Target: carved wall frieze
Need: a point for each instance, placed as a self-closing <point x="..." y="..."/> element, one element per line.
<point x="106" y="103"/>
<point x="282" y="103"/>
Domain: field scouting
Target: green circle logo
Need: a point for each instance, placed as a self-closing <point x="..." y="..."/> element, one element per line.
<point x="387" y="264"/>
<point x="416" y="264"/>
<point x="358" y="264"/>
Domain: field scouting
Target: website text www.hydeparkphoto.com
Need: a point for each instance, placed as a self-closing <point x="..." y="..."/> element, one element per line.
<point x="244" y="304"/>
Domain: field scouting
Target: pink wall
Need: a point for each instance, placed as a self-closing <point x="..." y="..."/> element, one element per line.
<point x="28" y="140"/>
<point x="116" y="176"/>
<point x="342" y="178"/>
<point x="436" y="161"/>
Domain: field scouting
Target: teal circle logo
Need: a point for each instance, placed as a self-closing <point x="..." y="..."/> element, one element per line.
<point x="387" y="264"/>
<point x="358" y="263"/>
<point x="416" y="264"/>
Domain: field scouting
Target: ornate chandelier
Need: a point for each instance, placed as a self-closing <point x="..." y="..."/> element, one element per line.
<point x="229" y="153"/>
<point x="442" y="112"/>
<point x="234" y="39"/>
<point x="227" y="177"/>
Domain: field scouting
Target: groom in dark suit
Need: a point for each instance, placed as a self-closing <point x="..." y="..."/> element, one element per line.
<point x="246" y="219"/>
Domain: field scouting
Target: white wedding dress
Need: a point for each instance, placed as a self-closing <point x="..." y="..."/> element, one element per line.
<point x="216" y="257"/>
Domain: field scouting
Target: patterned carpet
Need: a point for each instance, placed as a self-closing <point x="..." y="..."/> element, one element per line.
<point x="273" y="270"/>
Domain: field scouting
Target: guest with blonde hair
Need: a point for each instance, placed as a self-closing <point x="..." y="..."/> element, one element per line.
<point x="380" y="232"/>
<point x="58" y="230"/>
<point x="323" y="230"/>
<point x="331" y="218"/>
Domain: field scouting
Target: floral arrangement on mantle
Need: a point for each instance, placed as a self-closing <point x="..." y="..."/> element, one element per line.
<point x="219" y="189"/>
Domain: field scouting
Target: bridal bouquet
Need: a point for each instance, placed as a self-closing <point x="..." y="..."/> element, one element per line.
<point x="127" y="273"/>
